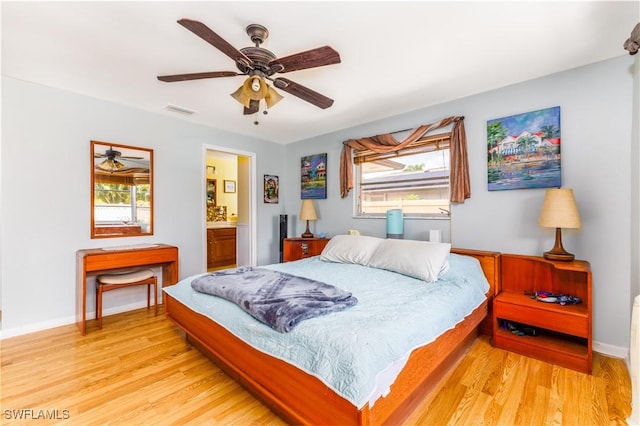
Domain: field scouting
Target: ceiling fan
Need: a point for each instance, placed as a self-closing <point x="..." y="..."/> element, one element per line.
<point x="259" y="65"/>
<point x="111" y="164"/>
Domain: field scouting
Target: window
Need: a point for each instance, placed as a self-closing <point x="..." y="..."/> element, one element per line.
<point x="113" y="203"/>
<point x="415" y="179"/>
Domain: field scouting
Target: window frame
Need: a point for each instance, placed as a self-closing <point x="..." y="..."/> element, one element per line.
<point x="432" y="143"/>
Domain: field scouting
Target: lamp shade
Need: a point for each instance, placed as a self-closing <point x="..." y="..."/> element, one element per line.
<point x="255" y="88"/>
<point x="272" y="97"/>
<point x="110" y="165"/>
<point x="308" y="210"/>
<point x="559" y="209"/>
<point x="241" y="97"/>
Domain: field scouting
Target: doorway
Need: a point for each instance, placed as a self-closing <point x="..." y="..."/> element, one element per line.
<point x="230" y="207"/>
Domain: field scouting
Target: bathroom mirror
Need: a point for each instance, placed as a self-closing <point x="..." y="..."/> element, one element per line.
<point x="211" y="193"/>
<point x="121" y="190"/>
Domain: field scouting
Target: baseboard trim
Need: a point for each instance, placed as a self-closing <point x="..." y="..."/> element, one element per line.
<point x="59" y="322"/>
<point x="611" y="350"/>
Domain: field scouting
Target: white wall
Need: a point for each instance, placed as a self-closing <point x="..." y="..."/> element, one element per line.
<point x="45" y="195"/>
<point x="596" y="105"/>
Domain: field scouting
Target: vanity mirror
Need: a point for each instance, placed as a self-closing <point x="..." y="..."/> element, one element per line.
<point x="121" y="190"/>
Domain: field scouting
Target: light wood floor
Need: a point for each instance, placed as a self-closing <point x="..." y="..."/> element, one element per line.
<point x="139" y="370"/>
<point x="219" y="268"/>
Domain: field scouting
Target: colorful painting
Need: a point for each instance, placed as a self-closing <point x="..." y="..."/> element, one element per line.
<point x="313" y="177"/>
<point x="271" y="188"/>
<point x="523" y="150"/>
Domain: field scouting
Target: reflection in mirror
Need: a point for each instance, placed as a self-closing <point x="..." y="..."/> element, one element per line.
<point x="121" y="190"/>
<point x="211" y="193"/>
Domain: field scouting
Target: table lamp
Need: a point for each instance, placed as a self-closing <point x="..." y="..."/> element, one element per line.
<point x="559" y="211"/>
<point x="307" y="212"/>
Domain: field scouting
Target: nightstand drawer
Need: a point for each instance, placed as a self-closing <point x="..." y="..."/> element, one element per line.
<point x="301" y="248"/>
<point x="567" y="322"/>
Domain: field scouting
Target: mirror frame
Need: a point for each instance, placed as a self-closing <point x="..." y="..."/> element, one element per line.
<point x="124" y="229"/>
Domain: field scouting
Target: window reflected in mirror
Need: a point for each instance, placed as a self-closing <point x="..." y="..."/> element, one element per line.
<point x="121" y="190"/>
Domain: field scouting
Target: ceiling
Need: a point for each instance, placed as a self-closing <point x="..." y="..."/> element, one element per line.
<point x="396" y="56"/>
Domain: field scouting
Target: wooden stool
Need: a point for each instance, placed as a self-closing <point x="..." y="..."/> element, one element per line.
<point x="109" y="282"/>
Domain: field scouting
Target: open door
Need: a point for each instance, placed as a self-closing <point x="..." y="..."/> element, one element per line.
<point x="234" y="173"/>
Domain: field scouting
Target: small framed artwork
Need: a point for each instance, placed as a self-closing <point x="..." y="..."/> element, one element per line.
<point x="229" y="186"/>
<point x="271" y="187"/>
<point x="313" y="177"/>
<point x="523" y="150"/>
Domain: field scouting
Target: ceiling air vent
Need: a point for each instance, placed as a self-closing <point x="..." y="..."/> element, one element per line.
<point x="180" y="109"/>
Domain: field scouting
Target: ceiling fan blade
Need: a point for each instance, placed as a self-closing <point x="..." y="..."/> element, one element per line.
<point x="197" y="76"/>
<point x="254" y="106"/>
<point x="318" y="57"/>
<point x="125" y="157"/>
<point x="207" y="34"/>
<point x="303" y="93"/>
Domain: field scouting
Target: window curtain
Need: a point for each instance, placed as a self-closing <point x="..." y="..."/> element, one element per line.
<point x="460" y="188"/>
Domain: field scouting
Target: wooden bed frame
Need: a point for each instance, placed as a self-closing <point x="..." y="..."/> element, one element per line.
<point x="300" y="398"/>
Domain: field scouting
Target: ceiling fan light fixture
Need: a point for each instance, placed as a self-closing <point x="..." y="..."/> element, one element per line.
<point x="248" y="92"/>
<point x="255" y="88"/>
<point x="110" y="165"/>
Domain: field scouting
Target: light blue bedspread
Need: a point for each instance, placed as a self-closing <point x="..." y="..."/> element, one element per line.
<point x="349" y="350"/>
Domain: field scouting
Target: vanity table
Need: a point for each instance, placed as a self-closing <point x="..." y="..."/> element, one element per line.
<point x="102" y="260"/>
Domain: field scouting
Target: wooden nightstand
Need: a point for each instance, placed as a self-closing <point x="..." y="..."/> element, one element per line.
<point x="563" y="333"/>
<point x="300" y="248"/>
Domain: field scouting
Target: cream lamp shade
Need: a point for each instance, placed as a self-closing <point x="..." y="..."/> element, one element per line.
<point x="559" y="210"/>
<point x="307" y="212"/>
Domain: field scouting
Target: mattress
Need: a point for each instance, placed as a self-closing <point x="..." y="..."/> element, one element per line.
<point x="360" y="351"/>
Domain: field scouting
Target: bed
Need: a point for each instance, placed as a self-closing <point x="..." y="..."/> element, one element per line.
<point x="302" y="395"/>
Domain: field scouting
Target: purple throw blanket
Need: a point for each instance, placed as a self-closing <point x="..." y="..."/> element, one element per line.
<point x="278" y="299"/>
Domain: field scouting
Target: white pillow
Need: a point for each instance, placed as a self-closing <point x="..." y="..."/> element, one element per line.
<point x="424" y="260"/>
<point x="445" y="268"/>
<point x="350" y="249"/>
